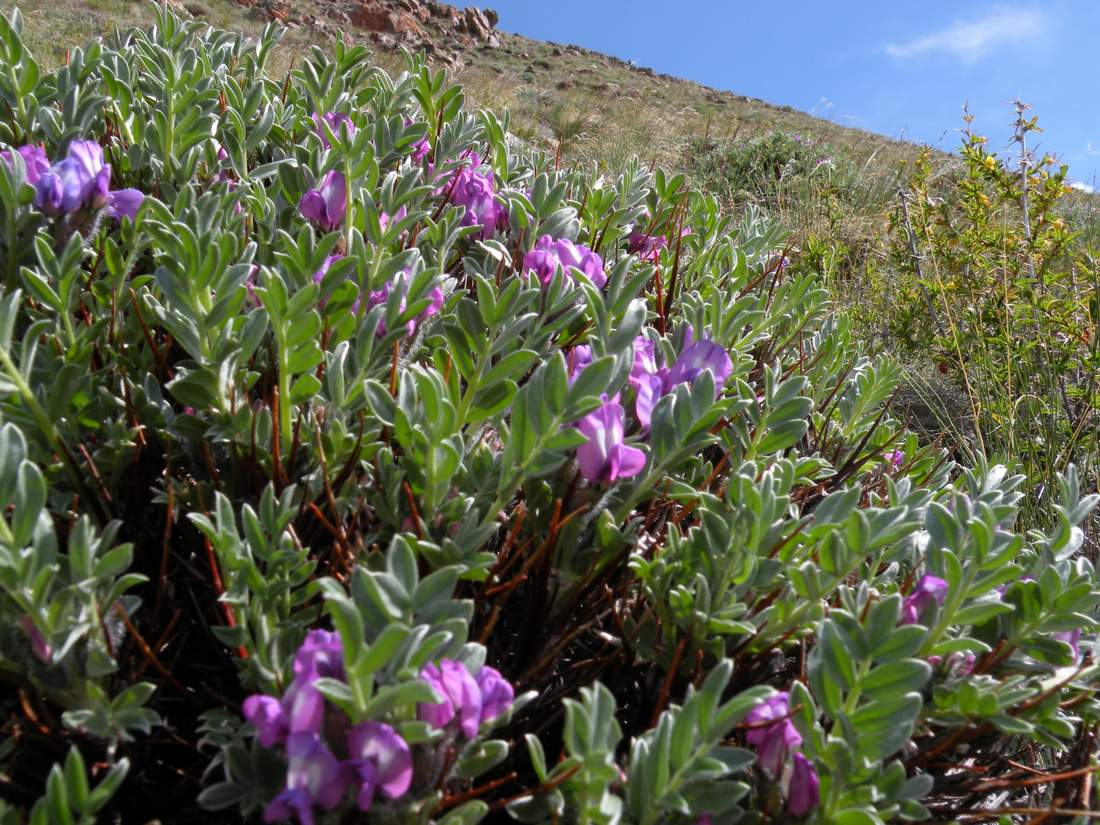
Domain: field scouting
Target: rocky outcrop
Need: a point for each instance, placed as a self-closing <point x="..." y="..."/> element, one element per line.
<point x="440" y="29"/>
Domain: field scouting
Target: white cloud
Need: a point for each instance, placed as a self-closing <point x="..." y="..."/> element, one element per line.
<point x="1091" y="150"/>
<point x="1082" y="187"/>
<point x="971" y="40"/>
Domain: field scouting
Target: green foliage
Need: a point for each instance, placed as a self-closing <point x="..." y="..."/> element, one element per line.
<point x="999" y="290"/>
<point x="756" y="169"/>
<point x="223" y="428"/>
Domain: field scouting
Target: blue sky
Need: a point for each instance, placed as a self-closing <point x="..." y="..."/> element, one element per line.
<point x="898" y="68"/>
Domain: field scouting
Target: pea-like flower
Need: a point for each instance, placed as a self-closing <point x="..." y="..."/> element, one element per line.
<point x="314" y="777"/>
<point x="378" y="297"/>
<point x="421" y="148"/>
<point x="957" y="664"/>
<point x="385" y="219"/>
<point x="470" y="701"/>
<point x="82" y="179"/>
<point x="339" y="124"/>
<point x="605" y="458"/>
<point x="930" y="589"/>
<point x="496" y="693"/>
<point x="647" y="247"/>
<point x="475" y="192"/>
<point x="578" y="358"/>
<point x="327" y="205"/>
<point x="302" y="707"/>
<point x="772" y="733"/>
<point x="39" y="646"/>
<point x="460" y="695"/>
<point x="549" y="254"/>
<point x="650" y="381"/>
<point x="803" y="794"/>
<point x="34" y="161"/>
<point x="1073" y="639"/>
<point x="381" y="760"/>
<point x="124" y="203"/>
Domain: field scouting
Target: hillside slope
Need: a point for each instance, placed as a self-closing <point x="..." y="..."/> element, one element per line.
<point x="605" y="108"/>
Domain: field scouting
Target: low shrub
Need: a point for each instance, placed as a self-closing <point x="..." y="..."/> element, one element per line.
<point x="353" y="460"/>
<point x="997" y="284"/>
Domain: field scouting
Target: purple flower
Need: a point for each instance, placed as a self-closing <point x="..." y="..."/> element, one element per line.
<point x="382" y="761"/>
<point x="339" y="124"/>
<point x="474" y="191"/>
<point x="804" y="793"/>
<point x="124" y="203"/>
<point x="250" y="284"/>
<point x="549" y="254"/>
<point x="313" y="777"/>
<point x="222" y="157"/>
<point x="460" y="696"/>
<point x="896" y="458"/>
<point x="645" y="358"/>
<point x="49" y="194"/>
<point x="958" y="663"/>
<point x="496" y="693"/>
<point x="320" y="274"/>
<point x="94" y="174"/>
<point x="578" y="358"/>
<point x="650" y="382"/>
<point x="80" y="179"/>
<point x="772" y="733"/>
<point x="647" y="247"/>
<point x="384" y="219"/>
<point x="605" y="458"/>
<point x="327" y="205"/>
<point x="698" y="356"/>
<point x="266" y="714"/>
<point x="421" y="148"/>
<point x="39" y="646"/>
<point x="380" y="296"/>
<point x="928" y="590"/>
<point x="303" y="706"/>
<point x="34" y="159"/>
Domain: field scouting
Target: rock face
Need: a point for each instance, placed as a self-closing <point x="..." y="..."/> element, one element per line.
<point x="440" y="29"/>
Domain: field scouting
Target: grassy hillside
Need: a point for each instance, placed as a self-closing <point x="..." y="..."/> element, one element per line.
<point x="621" y="110"/>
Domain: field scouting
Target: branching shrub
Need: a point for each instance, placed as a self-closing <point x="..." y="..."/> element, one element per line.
<point x="354" y="462"/>
<point x="998" y="287"/>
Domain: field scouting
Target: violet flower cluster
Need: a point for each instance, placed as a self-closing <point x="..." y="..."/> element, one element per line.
<point x="775" y="738"/>
<point x="549" y="254"/>
<point x="650" y="381"/>
<point x="605" y="457"/>
<point x="475" y="192"/>
<point x="466" y="702"/>
<point x="326" y="755"/>
<point x="80" y="180"/>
